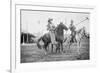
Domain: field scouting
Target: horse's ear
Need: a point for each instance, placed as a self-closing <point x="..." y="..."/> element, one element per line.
<point x="65" y="27"/>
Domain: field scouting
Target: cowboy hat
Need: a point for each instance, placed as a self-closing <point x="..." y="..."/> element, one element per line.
<point x="50" y="19"/>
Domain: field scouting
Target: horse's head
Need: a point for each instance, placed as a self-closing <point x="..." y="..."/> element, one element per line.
<point x="59" y="32"/>
<point x="83" y="30"/>
<point x="84" y="33"/>
<point x="61" y="26"/>
<point x="80" y="31"/>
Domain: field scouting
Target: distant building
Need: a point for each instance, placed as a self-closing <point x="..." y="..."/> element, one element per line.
<point x="27" y="37"/>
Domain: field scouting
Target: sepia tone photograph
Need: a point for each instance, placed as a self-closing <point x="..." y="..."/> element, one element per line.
<point x="48" y="36"/>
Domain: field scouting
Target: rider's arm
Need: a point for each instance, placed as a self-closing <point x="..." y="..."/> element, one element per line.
<point x="48" y="27"/>
<point x="74" y="28"/>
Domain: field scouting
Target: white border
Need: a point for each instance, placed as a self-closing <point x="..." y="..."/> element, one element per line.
<point x="15" y="48"/>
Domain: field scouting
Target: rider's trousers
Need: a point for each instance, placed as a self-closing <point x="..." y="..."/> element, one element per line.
<point x="52" y="35"/>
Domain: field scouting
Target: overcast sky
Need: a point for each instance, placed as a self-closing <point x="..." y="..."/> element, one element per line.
<point x="35" y="21"/>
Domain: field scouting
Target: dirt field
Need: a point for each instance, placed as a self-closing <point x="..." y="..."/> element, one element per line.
<point x="31" y="53"/>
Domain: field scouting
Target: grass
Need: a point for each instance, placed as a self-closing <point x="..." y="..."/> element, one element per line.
<point x="31" y="53"/>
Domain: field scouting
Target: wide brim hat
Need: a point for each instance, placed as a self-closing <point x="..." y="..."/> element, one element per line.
<point x="72" y="21"/>
<point x="50" y="19"/>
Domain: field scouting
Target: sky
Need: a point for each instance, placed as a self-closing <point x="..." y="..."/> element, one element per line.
<point x="35" y="21"/>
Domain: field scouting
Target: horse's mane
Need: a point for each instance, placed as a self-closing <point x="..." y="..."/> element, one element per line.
<point x="61" y="25"/>
<point x="79" y="31"/>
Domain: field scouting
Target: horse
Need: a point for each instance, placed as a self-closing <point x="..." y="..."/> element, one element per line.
<point x="59" y="36"/>
<point x="79" y="35"/>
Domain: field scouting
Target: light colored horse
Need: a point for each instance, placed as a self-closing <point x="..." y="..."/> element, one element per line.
<point x="79" y="34"/>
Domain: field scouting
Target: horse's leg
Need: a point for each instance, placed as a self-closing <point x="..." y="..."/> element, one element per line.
<point x="58" y="49"/>
<point x="79" y="47"/>
<point x="62" y="49"/>
<point x="46" y="48"/>
<point x="78" y="44"/>
<point x="75" y="40"/>
<point x="70" y="43"/>
<point x="51" y="48"/>
<point x="45" y="51"/>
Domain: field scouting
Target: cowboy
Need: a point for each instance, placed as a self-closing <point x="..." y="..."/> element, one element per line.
<point x="51" y="28"/>
<point x="72" y="29"/>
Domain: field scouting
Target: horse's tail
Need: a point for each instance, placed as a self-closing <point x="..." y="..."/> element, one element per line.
<point x="38" y="44"/>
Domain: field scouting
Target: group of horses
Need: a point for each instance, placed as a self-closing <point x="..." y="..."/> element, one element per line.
<point x="60" y="39"/>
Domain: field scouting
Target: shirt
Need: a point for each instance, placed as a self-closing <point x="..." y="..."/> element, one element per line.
<point x="50" y="27"/>
<point x="72" y="28"/>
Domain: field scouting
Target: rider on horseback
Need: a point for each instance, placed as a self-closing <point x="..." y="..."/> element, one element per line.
<point x="73" y="32"/>
<point x="51" y="28"/>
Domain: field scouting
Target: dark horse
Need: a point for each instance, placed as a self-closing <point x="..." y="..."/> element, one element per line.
<point x="59" y="35"/>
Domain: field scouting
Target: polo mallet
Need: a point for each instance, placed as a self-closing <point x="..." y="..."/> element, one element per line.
<point x="83" y="20"/>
